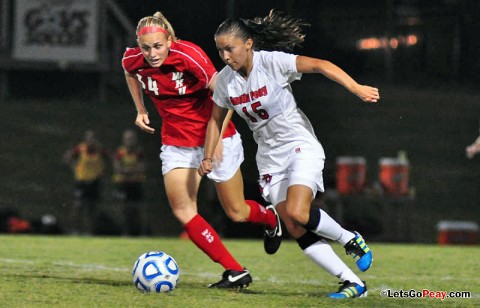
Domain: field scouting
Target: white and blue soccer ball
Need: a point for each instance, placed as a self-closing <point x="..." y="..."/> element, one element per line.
<point x="155" y="272"/>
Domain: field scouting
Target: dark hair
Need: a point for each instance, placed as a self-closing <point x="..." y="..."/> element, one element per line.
<point x="276" y="31"/>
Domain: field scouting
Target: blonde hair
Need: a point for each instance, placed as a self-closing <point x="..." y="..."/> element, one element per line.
<point x="157" y="20"/>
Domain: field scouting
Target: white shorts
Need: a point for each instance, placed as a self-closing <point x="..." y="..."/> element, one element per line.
<point x="190" y="157"/>
<point x="304" y="169"/>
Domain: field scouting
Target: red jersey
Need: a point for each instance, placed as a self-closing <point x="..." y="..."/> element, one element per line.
<point x="179" y="91"/>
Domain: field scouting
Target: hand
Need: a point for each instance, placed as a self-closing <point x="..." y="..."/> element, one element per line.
<point x="471" y="150"/>
<point x="205" y="167"/>
<point x="367" y="94"/>
<point x="142" y="121"/>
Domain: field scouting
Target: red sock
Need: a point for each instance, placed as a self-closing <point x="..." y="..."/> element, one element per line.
<point x="260" y="215"/>
<point x="206" y="238"/>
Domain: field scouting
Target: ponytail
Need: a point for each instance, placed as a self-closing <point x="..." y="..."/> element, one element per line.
<point x="275" y="31"/>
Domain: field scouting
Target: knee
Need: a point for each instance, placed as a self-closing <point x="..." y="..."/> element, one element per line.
<point x="237" y="212"/>
<point x="184" y="213"/>
<point x="297" y="213"/>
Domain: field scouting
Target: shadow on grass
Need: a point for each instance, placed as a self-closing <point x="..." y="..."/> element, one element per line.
<point x="203" y="286"/>
<point x="284" y="293"/>
<point x="187" y="285"/>
<point x="86" y="280"/>
<point x="253" y="290"/>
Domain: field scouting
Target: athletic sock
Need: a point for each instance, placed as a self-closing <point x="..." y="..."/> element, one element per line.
<point x="206" y="238"/>
<point x="260" y="215"/>
<point x="324" y="225"/>
<point x="322" y="254"/>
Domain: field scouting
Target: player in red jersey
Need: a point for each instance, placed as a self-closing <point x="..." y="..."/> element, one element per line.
<point x="179" y="78"/>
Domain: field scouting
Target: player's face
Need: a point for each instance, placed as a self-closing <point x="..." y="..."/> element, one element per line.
<point x="155" y="47"/>
<point x="235" y="52"/>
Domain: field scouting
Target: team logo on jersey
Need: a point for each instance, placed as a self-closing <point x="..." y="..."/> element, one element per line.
<point x="248" y="97"/>
<point x="266" y="178"/>
<point x="178" y="78"/>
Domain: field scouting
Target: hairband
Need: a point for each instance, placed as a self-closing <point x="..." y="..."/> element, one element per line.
<point x="151" y="29"/>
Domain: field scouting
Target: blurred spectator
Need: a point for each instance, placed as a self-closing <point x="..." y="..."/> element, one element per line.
<point x="87" y="160"/>
<point x="129" y="177"/>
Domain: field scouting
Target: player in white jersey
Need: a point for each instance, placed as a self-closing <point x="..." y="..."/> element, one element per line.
<point x="267" y="104"/>
<point x="290" y="159"/>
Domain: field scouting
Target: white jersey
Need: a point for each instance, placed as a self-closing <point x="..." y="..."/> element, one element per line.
<point x="266" y="102"/>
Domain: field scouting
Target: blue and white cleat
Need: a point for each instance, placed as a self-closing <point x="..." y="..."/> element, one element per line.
<point x="350" y="290"/>
<point x="360" y="252"/>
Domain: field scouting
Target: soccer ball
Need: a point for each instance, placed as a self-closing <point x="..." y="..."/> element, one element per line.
<point x="155" y="271"/>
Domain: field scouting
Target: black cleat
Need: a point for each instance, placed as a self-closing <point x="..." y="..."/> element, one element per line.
<point x="272" y="238"/>
<point x="233" y="280"/>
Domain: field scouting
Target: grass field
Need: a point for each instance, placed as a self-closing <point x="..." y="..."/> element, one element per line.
<point x="45" y="271"/>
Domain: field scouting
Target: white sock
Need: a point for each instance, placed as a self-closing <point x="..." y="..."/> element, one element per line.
<point x="330" y="229"/>
<point x="322" y="254"/>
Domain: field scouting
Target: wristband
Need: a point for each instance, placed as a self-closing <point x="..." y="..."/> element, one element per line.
<point x="206" y="158"/>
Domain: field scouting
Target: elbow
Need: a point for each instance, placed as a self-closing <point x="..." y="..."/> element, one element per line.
<point x="321" y="66"/>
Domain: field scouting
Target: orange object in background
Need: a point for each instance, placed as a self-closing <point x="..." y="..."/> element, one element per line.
<point x="394" y="176"/>
<point x="457" y="232"/>
<point x="350" y="174"/>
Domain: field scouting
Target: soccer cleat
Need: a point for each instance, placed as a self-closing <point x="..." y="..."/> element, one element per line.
<point x="360" y="252"/>
<point x="233" y="280"/>
<point x="272" y="238"/>
<point x="350" y="290"/>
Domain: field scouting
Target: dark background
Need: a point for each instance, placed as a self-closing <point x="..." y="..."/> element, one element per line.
<point x="430" y="109"/>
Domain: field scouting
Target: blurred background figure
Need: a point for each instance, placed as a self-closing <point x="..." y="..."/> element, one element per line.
<point x="87" y="160"/>
<point x="473" y="148"/>
<point x="129" y="178"/>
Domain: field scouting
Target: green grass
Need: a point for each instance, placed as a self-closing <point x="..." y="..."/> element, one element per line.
<point x="44" y="271"/>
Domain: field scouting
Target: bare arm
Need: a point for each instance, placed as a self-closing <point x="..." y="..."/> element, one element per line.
<point x="213" y="136"/>
<point x="218" y="153"/>
<point x="229" y="114"/>
<point x="219" y="148"/>
<point x="135" y="88"/>
<point x="335" y="73"/>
